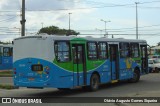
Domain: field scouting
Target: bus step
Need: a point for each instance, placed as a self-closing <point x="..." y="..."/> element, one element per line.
<point x="114" y="81"/>
<point x="77" y="87"/>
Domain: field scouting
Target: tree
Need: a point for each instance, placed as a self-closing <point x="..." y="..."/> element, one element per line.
<point x="52" y="30"/>
<point x="7" y="42"/>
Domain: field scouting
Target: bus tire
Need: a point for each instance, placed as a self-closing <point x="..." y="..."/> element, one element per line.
<point x="94" y="82"/>
<point x="136" y="76"/>
<point x="156" y="70"/>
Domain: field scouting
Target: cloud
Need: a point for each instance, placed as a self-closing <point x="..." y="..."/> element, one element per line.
<point x="9" y="4"/>
<point x="55" y="13"/>
<point x="48" y="12"/>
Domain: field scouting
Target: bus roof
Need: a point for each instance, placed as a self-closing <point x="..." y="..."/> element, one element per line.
<point x="88" y="38"/>
<point x="6" y="45"/>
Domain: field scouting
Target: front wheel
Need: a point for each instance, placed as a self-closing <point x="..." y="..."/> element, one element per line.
<point x="156" y="70"/>
<point x="136" y="76"/>
<point x="94" y="82"/>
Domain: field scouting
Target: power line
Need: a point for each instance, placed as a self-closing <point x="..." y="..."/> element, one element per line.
<point x="7" y="19"/>
<point x="104" y="6"/>
<point x="121" y="29"/>
<point x="143" y="7"/>
<point x="138" y="27"/>
<point x="156" y="34"/>
<point x="149" y="2"/>
<point x="10" y="11"/>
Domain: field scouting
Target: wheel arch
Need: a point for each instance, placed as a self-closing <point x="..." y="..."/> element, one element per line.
<point x="137" y="69"/>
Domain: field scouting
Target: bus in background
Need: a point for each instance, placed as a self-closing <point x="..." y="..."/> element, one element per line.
<point x="70" y="61"/>
<point x="6" y="57"/>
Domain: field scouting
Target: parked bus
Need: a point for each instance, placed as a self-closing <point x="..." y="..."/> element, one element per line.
<point x="69" y="61"/>
<point x="6" y="57"/>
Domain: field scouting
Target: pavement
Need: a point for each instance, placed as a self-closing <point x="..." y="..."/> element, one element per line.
<point x="147" y="87"/>
<point x="142" y="94"/>
<point x="154" y="94"/>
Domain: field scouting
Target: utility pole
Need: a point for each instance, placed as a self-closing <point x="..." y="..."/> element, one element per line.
<point x="23" y="19"/>
<point x="69" y="31"/>
<point x="105" y="27"/>
<point x="136" y="20"/>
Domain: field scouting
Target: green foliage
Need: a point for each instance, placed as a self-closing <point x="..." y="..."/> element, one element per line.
<point x="6" y="86"/>
<point x="5" y="42"/>
<point x="52" y="30"/>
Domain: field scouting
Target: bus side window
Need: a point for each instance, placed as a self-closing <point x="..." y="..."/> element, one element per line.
<point x="11" y="51"/>
<point x="124" y="50"/>
<point x="134" y="49"/>
<point x="1" y="51"/>
<point x="102" y="50"/>
<point x="6" y="51"/>
<point x="62" y="51"/>
<point x="92" y="50"/>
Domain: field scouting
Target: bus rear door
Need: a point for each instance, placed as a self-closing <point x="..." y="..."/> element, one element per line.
<point x="114" y="59"/>
<point x="144" y="59"/>
<point x="79" y="64"/>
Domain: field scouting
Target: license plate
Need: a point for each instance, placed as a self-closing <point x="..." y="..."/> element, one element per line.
<point x="31" y="79"/>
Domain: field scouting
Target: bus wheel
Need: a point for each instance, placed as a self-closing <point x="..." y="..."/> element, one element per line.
<point x="94" y="82"/>
<point x="136" y="76"/>
<point x="156" y="70"/>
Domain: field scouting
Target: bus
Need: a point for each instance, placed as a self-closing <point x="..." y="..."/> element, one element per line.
<point x="67" y="62"/>
<point x="6" y="57"/>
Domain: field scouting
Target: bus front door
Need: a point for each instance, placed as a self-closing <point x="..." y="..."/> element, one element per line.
<point x="79" y="64"/>
<point x="114" y="59"/>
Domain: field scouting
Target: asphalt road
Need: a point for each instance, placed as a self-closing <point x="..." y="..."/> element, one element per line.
<point x="148" y="84"/>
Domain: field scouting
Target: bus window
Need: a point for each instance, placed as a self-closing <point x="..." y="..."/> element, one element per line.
<point x="11" y="51"/>
<point x="124" y="50"/>
<point x="1" y="51"/>
<point x="62" y="51"/>
<point x="102" y="54"/>
<point x="77" y="54"/>
<point x="134" y="50"/>
<point x="1" y="54"/>
<point x="92" y="50"/>
<point x="6" y="51"/>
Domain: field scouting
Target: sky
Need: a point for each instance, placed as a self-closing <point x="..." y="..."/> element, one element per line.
<point x="85" y="18"/>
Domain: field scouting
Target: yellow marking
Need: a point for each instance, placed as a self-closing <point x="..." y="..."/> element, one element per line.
<point x="114" y="81"/>
<point x="128" y="63"/>
<point x="39" y="72"/>
<point x="39" y="62"/>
